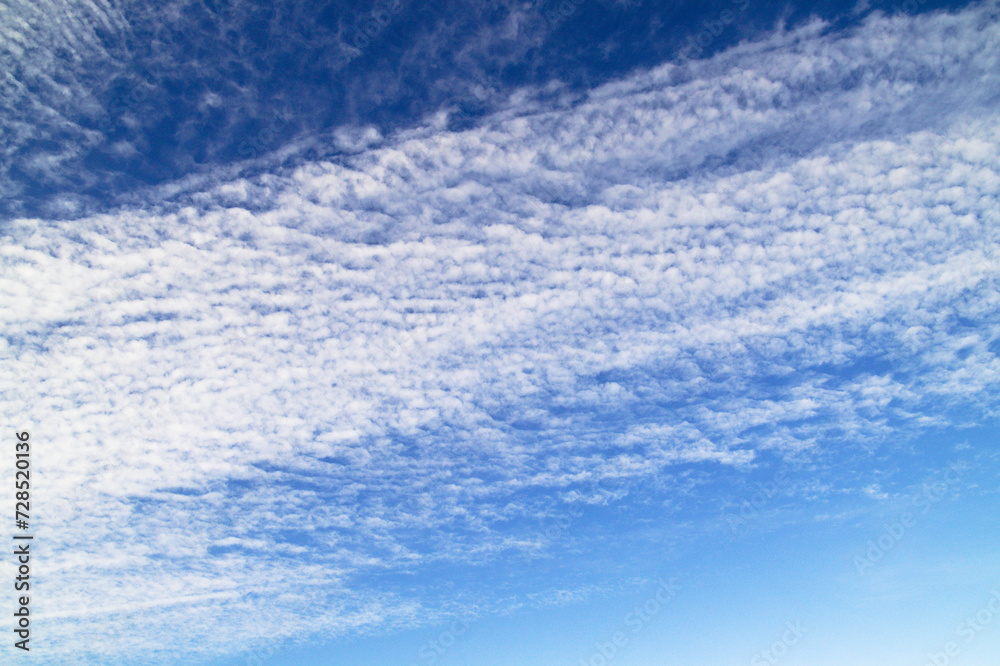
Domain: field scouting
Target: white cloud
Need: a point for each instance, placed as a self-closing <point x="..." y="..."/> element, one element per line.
<point x="390" y="355"/>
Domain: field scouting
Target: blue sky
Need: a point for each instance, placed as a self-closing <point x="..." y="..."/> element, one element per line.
<point x="498" y="333"/>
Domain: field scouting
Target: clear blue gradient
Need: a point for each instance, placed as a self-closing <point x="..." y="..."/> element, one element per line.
<point x="736" y="595"/>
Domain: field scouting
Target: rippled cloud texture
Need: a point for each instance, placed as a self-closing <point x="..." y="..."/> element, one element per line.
<point x="274" y="398"/>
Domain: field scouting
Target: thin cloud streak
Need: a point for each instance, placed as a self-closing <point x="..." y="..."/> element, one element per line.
<point x="297" y="383"/>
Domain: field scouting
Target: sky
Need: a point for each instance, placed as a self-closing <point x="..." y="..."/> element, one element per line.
<point x="600" y="332"/>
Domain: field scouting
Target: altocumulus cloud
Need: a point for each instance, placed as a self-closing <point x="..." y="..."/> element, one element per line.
<point x="257" y="403"/>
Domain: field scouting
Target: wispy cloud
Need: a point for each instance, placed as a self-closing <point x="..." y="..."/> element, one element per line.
<point x="291" y="384"/>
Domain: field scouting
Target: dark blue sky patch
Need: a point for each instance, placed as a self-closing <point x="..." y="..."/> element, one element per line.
<point x="194" y="85"/>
